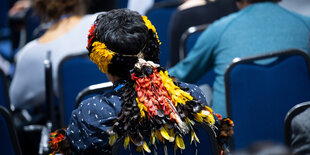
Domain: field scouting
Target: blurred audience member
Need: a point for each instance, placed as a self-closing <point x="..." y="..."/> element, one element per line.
<point x="140" y="6"/>
<point x="261" y="26"/>
<point x="66" y="35"/>
<point x="301" y="133"/>
<point x="22" y="23"/>
<point x="193" y="13"/>
<point x="19" y="6"/>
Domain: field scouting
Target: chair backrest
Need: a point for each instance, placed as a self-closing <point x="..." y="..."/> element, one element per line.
<point x="93" y="90"/>
<point x="9" y="144"/>
<point x="297" y="109"/>
<point x="75" y="72"/>
<point x="160" y="15"/>
<point x="122" y="3"/>
<point x="259" y="94"/>
<point x="4" y="94"/>
<point x="187" y="42"/>
<point x="207" y="145"/>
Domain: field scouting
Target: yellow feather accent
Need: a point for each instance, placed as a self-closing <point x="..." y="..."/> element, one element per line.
<point x="159" y="136"/>
<point x="152" y="139"/>
<point x="146" y="148"/>
<point x="165" y="134"/>
<point x="204" y="113"/>
<point x="211" y="119"/>
<point x="209" y="109"/>
<point x="208" y="115"/>
<point x="189" y="121"/>
<point x="126" y="142"/>
<point x="177" y="94"/>
<point x="194" y="136"/>
<point x="171" y="135"/>
<point x="101" y="56"/>
<point x="113" y="139"/>
<point x="198" y="118"/>
<point x="180" y="142"/>
<point x="150" y="26"/>
<point x="142" y="108"/>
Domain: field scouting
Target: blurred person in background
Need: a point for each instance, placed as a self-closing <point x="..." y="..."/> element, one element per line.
<point x="261" y="26"/>
<point x="140" y="6"/>
<point x="193" y="13"/>
<point x="67" y="35"/>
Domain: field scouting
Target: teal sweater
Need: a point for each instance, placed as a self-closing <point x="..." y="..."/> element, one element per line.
<point x="257" y="29"/>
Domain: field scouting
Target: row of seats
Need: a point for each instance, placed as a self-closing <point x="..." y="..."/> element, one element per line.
<point x="256" y="95"/>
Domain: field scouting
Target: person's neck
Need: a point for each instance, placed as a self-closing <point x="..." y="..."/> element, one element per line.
<point x="112" y="78"/>
<point x="59" y="28"/>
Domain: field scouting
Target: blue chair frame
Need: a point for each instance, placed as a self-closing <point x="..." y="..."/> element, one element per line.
<point x="93" y="90"/>
<point x="258" y="107"/>
<point x="9" y="140"/>
<point x="297" y="109"/>
<point x="208" y="144"/>
<point x="187" y="42"/>
<point x="75" y="72"/>
<point x="160" y="15"/>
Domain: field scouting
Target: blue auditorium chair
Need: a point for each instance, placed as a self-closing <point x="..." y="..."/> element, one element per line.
<point x="160" y="15"/>
<point x="93" y="90"/>
<point x="75" y="73"/>
<point x="9" y="144"/>
<point x="5" y="42"/>
<point x="260" y="90"/>
<point x="4" y="94"/>
<point x="122" y="3"/>
<point x="207" y="145"/>
<point x="187" y="42"/>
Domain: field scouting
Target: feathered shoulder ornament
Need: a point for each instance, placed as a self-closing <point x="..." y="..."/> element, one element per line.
<point x="157" y="110"/>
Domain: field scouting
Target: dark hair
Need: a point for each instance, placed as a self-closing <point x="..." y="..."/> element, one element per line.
<point x="54" y="9"/>
<point x="124" y="32"/>
<point x="257" y="1"/>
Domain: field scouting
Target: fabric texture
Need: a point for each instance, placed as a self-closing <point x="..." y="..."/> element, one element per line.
<point x="90" y="121"/>
<point x="28" y="84"/>
<point x="257" y="29"/>
<point x="181" y="20"/>
<point x="301" y="133"/>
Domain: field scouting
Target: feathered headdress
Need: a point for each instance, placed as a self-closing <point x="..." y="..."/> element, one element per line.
<point x="154" y="107"/>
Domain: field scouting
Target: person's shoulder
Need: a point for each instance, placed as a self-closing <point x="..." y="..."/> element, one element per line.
<point x="304" y="19"/>
<point x="194" y="91"/>
<point x="218" y="27"/>
<point x="29" y="47"/>
<point x="104" y="105"/>
<point x="90" y="102"/>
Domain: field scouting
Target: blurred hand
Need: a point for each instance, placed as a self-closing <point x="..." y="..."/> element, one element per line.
<point x="19" y="6"/>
